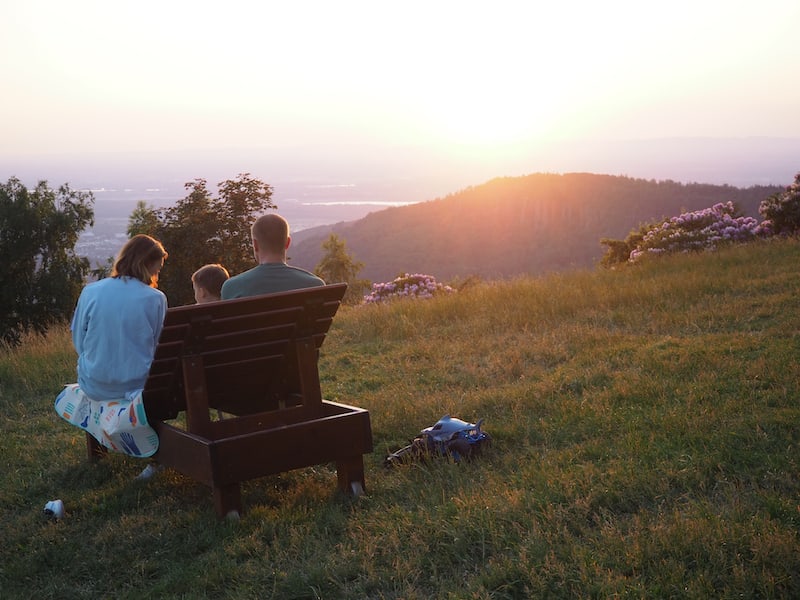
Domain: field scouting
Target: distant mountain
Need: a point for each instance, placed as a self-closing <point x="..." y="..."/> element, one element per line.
<point x="511" y="226"/>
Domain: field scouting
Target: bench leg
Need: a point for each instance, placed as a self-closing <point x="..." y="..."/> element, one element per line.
<point x="227" y="499"/>
<point x="94" y="449"/>
<point x="350" y="475"/>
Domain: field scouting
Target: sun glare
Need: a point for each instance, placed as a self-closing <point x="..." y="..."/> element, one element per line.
<point x="491" y="104"/>
<point x="491" y="119"/>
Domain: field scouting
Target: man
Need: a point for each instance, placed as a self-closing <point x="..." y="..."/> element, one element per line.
<point x="271" y="240"/>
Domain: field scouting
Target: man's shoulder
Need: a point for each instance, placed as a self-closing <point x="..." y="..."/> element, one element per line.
<point x="235" y="283"/>
<point x="243" y="276"/>
<point x="269" y="278"/>
<point x="305" y="274"/>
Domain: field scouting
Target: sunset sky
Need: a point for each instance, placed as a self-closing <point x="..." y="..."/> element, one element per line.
<point x="366" y="78"/>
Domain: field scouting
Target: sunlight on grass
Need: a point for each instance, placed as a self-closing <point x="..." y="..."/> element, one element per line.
<point x="644" y="443"/>
<point x="31" y="368"/>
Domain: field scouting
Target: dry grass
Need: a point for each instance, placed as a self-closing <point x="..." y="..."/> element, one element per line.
<point x="645" y="444"/>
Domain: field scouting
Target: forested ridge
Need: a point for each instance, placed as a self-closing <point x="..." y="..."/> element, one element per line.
<point x="511" y="226"/>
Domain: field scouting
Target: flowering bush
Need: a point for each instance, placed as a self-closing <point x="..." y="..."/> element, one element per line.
<point x="407" y="286"/>
<point x="699" y="230"/>
<point x="781" y="211"/>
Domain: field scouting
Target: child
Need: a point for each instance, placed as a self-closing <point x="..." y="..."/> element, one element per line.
<point x="207" y="283"/>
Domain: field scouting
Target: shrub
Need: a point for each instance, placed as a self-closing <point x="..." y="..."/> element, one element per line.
<point x="619" y="251"/>
<point x="407" y="286"/>
<point x="781" y="211"/>
<point x="698" y="230"/>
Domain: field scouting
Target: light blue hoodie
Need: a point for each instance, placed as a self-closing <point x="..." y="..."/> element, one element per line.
<point x="115" y="329"/>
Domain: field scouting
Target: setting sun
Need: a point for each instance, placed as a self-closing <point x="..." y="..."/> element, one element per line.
<point x="490" y="117"/>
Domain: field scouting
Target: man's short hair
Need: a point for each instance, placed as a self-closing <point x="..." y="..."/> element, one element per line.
<point x="271" y="232"/>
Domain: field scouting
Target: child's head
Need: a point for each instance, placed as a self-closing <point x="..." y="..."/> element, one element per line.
<point x="207" y="282"/>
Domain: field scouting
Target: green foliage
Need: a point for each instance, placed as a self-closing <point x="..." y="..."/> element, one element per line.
<point x="143" y="219"/>
<point x="619" y="251"/>
<point x="200" y="229"/>
<point x="101" y="271"/>
<point x="339" y="266"/>
<point x="645" y="445"/>
<point x="782" y="210"/>
<point x="40" y="274"/>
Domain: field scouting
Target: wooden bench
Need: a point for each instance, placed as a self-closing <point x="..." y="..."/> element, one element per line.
<point x="245" y="374"/>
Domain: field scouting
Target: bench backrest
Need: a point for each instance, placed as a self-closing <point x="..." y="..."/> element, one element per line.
<point x="251" y="354"/>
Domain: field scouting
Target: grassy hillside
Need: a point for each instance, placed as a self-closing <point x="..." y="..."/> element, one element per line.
<point x="514" y="226"/>
<point x="645" y="426"/>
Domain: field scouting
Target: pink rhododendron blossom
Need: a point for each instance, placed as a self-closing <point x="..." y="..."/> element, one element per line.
<point x="407" y="286"/>
<point x="698" y="231"/>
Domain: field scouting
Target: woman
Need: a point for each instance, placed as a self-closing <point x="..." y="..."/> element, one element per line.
<point x="118" y="320"/>
<point x="115" y="330"/>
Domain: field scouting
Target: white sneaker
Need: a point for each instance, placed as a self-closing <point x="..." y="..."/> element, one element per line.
<point x="149" y="471"/>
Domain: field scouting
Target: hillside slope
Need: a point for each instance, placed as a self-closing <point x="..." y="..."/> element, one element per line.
<point x="515" y="225"/>
<point x="644" y="445"/>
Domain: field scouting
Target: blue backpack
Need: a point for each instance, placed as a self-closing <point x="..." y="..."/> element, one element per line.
<point x="447" y="437"/>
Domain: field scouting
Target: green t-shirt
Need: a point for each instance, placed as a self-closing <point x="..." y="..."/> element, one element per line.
<point x="268" y="278"/>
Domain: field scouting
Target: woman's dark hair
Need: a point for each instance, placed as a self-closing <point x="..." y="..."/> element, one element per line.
<point x="137" y="257"/>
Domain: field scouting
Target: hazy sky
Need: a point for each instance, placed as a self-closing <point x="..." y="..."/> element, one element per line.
<point x="456" y="77"/>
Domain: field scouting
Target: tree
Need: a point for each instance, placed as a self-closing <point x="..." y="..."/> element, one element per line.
<point x="338" y="266"/>
<point x="41" y="277"/>
<point x="143" y="219"/>
<point x="201" y="229"/>
<point x="241" y="200"/>
<point x="781" y="211"/>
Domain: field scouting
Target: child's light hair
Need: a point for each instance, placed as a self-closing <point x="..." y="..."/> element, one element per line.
<point x="210" y="278"/>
